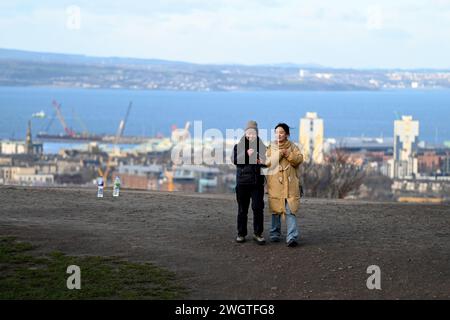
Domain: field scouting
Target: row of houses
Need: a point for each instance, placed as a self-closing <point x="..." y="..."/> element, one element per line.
<point x="39" y="169"/>
<point x="25" y="176"/>
<point x="187" y="178"/>
<point x="421" y="186"/>
<point x="378" y="153"/>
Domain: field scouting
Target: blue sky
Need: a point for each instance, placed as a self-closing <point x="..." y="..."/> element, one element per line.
<point x="345" y="33"/>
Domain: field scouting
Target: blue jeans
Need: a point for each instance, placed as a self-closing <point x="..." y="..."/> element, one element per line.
<point x="291" y="222"/>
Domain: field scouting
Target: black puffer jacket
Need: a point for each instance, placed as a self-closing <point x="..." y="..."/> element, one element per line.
<point x="248" y="170"/>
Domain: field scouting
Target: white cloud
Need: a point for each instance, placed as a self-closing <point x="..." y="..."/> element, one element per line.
<point x="374" y="18"/>
<point x="344" y="33"/>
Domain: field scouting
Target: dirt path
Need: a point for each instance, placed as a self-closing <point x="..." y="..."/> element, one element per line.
<point x="193" y="235"/>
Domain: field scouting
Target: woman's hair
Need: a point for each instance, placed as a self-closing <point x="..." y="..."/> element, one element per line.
<point x="285" y="128"/>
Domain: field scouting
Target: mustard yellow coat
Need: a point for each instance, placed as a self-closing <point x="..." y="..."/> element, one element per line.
<point x="283" y="179"/>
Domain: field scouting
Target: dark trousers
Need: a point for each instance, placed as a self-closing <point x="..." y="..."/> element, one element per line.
<point x="243" y="195"/>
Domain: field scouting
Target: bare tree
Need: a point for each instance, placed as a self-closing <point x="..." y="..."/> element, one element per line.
<point x="311" y="177"/>
<point x="337" y="177"/>
<point x="345" y="175"/>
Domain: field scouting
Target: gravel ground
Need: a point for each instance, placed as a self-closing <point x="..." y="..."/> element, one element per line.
<point x="193" y="235"/>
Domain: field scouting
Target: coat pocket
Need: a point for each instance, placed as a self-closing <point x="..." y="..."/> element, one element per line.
<point x="276" y="204"/>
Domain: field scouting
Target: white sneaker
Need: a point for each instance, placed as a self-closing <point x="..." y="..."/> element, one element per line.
<point x="259" y="239"/>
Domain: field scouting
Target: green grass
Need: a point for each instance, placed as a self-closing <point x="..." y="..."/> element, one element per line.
<point x="24" y="275"/>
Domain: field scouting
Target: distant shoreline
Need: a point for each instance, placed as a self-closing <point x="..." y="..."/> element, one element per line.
<point x="25" y="68"/>
<point x="225" y="91"/>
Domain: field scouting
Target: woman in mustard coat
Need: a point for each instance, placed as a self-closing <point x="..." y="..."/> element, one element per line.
<point x="283" y="161"/>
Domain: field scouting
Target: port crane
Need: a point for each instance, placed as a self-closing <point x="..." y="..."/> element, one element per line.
<point x="61" y="119"/>
<point x="80" y="122"/>
<point x="122" y="124"/>
<point x="119" y="134"/>
<point x="49" y="124"/>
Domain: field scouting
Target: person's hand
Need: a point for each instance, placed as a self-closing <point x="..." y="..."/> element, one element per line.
<point x="287" y="153"/>
<point x="258" y="161"/>
<point x="284" y="153"/>
<point x="250" y="152"/>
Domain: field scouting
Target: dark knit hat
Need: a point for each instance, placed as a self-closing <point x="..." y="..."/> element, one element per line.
<point x="252" y="125"/>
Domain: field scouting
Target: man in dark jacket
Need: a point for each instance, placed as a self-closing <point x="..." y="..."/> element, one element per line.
<point x="249" y="156"/>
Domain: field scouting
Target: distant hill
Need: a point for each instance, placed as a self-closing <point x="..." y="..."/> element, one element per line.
<point x="27" y="68"/>
<point x="21" y="55"/>
<point x="31" y="56"/>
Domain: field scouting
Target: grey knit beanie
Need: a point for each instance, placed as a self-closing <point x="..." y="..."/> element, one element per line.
<point x="252" y="125"/>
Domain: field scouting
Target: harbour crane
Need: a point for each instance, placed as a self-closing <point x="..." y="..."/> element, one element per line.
<point x="122" y="125"/>
<point x="80" y="122"/>
<point x="61" y="119"/>
<point x="119" y="134"/>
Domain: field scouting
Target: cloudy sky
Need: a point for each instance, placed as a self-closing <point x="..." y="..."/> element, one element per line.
<point x="344" y="33"/>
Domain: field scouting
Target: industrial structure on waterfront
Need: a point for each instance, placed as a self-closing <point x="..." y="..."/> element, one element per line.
<point x="404" y="164"/>
<point x="311" y="137"/>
